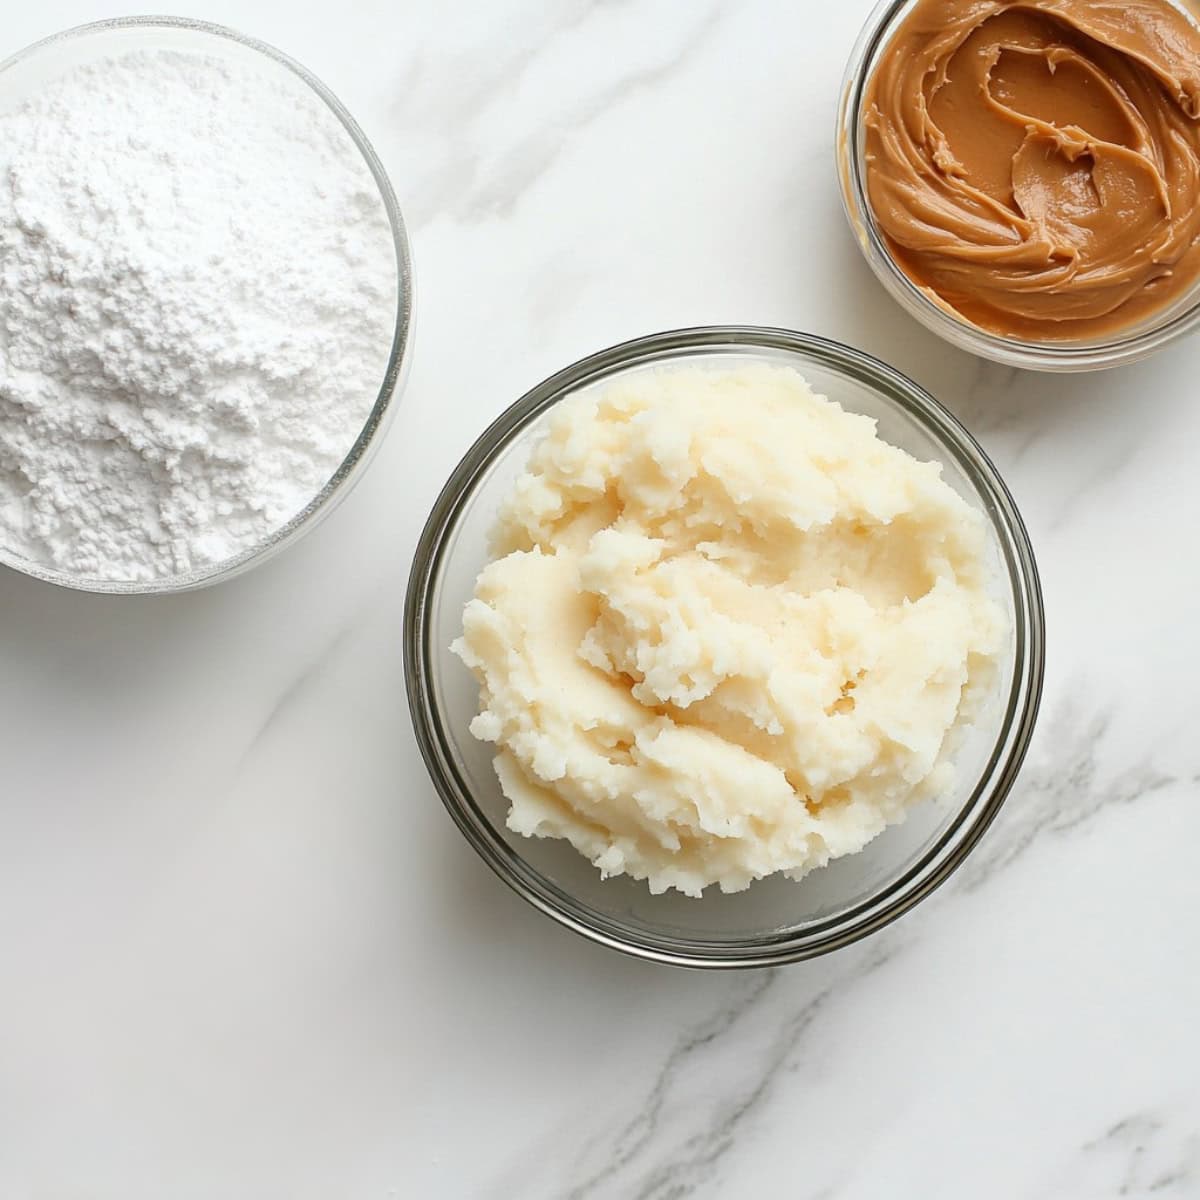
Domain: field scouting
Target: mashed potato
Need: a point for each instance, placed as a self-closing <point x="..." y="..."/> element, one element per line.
<point x="727" y="629"/>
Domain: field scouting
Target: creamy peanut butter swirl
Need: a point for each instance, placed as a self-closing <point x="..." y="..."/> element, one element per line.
<point x="1036" y="165"/>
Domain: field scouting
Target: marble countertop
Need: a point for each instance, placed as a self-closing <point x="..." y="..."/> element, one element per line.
<point x="244" y="952"/>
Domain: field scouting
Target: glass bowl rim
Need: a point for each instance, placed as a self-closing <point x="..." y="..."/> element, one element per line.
<point x="1065" y="356"/>
<point x="374" y="426"/>
<point x="937" y="862"/>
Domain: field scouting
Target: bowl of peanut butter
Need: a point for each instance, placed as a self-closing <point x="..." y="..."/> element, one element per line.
<point x="1025" y="177"/>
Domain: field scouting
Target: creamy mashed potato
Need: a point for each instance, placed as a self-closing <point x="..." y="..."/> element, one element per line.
<point x="727" y="630"/>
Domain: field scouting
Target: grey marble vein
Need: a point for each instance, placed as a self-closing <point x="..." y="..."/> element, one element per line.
<point x="355" y="623"/>
<point x="633" y="1139"/>
<point x="464" y="188"/>
<point x="1060" y="792"/>
<point x="1082" y="422"/>
<point x="287" y="699"/>
<point x="1006" y="408"/>
<point x="640" y="1166"/>
<point x="434" y="92"/>
<point x="993" y="394"/>
<point x="1151" y="1157"/>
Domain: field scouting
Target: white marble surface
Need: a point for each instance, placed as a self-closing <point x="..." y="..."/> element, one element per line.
<point x="244" y="953"/>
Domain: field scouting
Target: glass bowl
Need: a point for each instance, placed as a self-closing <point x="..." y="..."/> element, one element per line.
<point x="44" y="61"/>
<point x="776" y="920"/>
<point x="1084" y="354"/>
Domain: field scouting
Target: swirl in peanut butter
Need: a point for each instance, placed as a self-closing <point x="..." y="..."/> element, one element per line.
<point x="1036" y="165"/>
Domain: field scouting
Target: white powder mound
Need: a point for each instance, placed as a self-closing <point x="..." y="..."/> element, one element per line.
<point x="728" y="632"/>
<point x="197" y="299"/>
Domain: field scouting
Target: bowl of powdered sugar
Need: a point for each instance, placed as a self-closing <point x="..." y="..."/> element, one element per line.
<point x="205" y="305"/>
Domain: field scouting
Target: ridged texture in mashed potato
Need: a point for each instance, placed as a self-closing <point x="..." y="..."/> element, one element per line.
<point x="727" y="629"/>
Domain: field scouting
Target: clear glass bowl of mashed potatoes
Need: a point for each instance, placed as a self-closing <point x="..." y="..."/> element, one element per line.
<point x="1026" y="183"/>
<point x="774" y="919"/>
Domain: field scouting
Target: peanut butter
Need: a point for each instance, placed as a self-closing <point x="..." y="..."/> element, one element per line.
<point x="1035" y="166"/>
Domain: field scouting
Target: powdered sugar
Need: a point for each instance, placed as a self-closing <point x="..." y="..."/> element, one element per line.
<point x="197" y="297"/>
